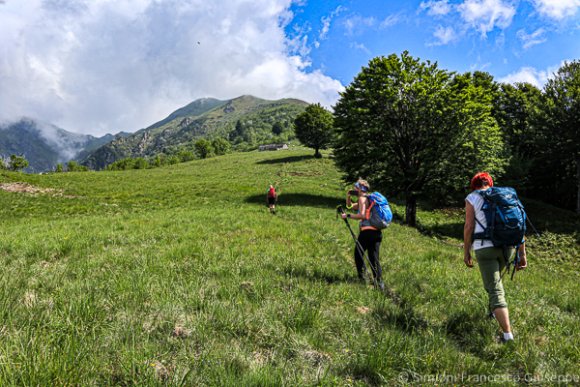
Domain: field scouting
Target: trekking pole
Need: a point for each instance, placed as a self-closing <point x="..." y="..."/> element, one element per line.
<point x="340" y="210"/>
<point x="532" y="226"/>
<point x="516" y="262"/>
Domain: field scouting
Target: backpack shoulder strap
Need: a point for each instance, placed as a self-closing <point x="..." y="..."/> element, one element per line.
<point x="485" y="233"/>
<point x="370" y="205"/>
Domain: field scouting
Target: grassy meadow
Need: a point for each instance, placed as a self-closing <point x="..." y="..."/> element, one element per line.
<point x="180" y="276"/>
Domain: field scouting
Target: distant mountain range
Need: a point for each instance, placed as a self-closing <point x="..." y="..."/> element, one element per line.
<point x="45" y="145"/>
<point x="245" y="118"/>
<point x="203" y="118"/>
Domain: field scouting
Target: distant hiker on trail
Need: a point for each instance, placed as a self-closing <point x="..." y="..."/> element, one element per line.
<point x="491" y="259"/>
<point x="369" y="237"/>
<point x="271" y="198"/>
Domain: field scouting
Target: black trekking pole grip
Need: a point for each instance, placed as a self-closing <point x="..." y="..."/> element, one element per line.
<point x="339" y="210"/>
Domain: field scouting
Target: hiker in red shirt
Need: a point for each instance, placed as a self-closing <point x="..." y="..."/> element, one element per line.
<point x="271" y="197"/>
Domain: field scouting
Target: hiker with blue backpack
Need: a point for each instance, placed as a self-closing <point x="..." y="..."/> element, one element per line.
<point x="373" y="211"/>
<point x="495" y="224"/>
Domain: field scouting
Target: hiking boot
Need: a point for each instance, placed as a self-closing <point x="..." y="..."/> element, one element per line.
<point x="506" y="341"/>
<point x="381" y="285"/>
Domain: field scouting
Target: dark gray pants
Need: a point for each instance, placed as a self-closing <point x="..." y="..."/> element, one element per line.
<point x="370" y="240"/>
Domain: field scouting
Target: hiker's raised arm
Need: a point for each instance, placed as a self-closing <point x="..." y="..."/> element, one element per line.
<point x="360" y="205"/>
<point x="349" y="204"/>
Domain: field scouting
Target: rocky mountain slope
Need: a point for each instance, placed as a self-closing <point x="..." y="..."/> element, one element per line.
<point x="45" y="145"/>
<point x="246" y="118"/>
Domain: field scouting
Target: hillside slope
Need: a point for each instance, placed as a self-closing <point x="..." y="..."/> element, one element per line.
<point x="179" y="275"/>
<point x="45" y="145"/>
<point x="206" y="117"/>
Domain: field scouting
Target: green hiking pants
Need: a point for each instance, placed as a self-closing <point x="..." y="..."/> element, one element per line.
<point x="491" y="262"/>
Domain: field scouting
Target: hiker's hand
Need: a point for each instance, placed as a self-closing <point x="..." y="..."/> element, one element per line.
<point x="523" y="263"/>
<point x="468" y="260"/>
<point x="343" y="215"/>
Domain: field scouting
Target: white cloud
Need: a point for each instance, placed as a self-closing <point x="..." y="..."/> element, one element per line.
<point x="97" y="66"/>
<point x="390" y="21"/>
<point x="479" y="66"/>
<point x="529" y="40"/>
<point x="356" y="24"/>
<point x="436" y="8"/>
<point x="557" y="9"/>
<point x="500" y="40"/>
<point x="361" y="47"/>
<point x="485" y="15"/>
<point x="527" y="74"/>
<point x="326" y="20"/>
<point x="444" y="35"/>
<point x="532" y="75"/>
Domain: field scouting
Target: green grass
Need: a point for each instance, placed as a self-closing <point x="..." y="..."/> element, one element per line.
<point x="180" y="276"/>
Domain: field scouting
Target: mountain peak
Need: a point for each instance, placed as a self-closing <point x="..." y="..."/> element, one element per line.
<point x="203" y="118"/>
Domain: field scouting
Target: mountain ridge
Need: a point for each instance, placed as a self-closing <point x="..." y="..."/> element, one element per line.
<point x="45" y="145"/>
<point x="203" y="118"/>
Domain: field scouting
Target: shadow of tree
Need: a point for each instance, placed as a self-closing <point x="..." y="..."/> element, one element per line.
<point x="289" y="159"/>
<point x="451" y="230"/>
<point x="318" y="275"/>
<point x="298" y="199"/>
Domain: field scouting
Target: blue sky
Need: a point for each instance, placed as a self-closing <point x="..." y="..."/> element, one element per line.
<point x="512" y="40"/>
<point x="98" y="66"/>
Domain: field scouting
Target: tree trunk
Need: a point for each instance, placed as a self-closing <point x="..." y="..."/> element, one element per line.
<point x="317" y="153"/>
<point x="411" y="210"/>
<point x="578" y="184"/>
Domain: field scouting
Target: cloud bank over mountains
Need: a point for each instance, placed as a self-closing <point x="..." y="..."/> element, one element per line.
<point x="98" y="66"/>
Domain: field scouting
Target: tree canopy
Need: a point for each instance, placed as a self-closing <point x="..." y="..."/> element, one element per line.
<point x="558" y="162"/>
<point x="17" y="163"/>
<point x="411" y="128"/>
<point x="314" y="128"/>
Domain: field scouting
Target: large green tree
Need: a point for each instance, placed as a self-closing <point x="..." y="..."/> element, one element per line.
<point x="557" y="167"/>
<point x="472" y="142"/>
<point x="411" y="128"/>
<point x="314" y="128"/>
<point x="515" y="109"/>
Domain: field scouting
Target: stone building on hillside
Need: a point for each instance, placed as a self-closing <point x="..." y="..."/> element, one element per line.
<point x="270" y="147"/>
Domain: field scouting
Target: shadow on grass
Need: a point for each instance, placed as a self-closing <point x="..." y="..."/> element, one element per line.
<point x="316" y="275"/>
<point x="406" y="319"/>
<point x="451" y="230"/>
<point x="298" y="199"/>
<point x="471" y="332"/>
<point x="289" y="159"/>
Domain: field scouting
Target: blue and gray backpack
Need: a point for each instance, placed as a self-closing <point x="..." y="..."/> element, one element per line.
<point x="380" y="212"/>
<point x="505" y="217"/>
